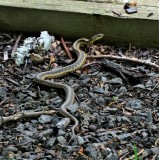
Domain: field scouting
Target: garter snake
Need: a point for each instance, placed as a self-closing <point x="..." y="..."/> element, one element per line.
<point x="42" y="78"/>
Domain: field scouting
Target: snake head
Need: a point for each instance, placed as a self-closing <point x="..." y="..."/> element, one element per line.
<point x="95" y="38"/>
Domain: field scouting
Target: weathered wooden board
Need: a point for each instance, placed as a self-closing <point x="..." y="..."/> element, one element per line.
<point x="74" y="19"/>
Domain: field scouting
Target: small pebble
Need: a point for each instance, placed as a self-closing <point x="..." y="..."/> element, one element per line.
<point x="61" y="140"/>
<point x="44" y="119"/>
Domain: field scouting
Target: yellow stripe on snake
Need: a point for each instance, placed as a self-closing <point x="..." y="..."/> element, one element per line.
<point x="42" y="78"/>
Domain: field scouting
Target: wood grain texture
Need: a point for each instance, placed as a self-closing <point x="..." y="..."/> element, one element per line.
<point x="74" y="19"/>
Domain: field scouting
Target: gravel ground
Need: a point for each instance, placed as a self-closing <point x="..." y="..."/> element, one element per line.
<point x="117" y="114"/>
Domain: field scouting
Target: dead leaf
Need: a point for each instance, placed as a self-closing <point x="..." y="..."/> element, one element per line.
<point x="55" y="44"/>
<point x="97" y="53"/>
<point x="36" y="58"/>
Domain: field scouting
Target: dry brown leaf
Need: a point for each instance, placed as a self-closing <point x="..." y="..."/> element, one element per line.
<point x="97" y="53"/>
<point x="52" y="59"/>
<point x="55" y="44"/>
<point x="81" y="150"/>
<point x="36" y="58"/>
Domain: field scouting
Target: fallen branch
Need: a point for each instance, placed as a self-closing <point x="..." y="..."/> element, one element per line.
<point x="128" y="75"/>
<point x="132" y="76"/>
<point x="66" y="48"/>
<point x="25" y="114"/>
<point x="135" y="60"/>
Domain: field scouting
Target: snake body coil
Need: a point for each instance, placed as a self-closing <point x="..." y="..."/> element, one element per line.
<point x="42" y="77"/>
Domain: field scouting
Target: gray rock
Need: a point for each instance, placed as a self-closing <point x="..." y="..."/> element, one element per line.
<point x="101" y="100"/>
<point x="116" y="81"/>
<point x="134" y="104"/>
<point x="80" y="140"/>
<point x="153" y="74"/>
<point x="136" y="118"/>
<point x="83" y="90"/>
<point x="154" y="95"/>
<point x="20" y="96"/>
<point x="103" y="79"/>
<point x="59" y="101"/>
<point x="80" y="96"/>
<point x="142" y="69"/>
<point x="94" y="73"/>
<point x="92" y="95"/>
<point x="149" y="83"/>
<point x="73" y="108"/>
<point x="111" y="122"/>
<point x="75" y="86"/>
<point x="44" y="93"/>
<point x="83" y="76"/>
<point x="55" y="119"/>
<point x="28" y="99"/>
<point x="20" y="127"/>
<point x="85" y="81"/>
<point x="93" y="134"/>
<point x="98" y="89"/>
<point x="28" y="133"/>
<point x="124" y="136"/>
<point x="91" y="152"/>
<point x="122" y="90"/>
<point x="44" y="119"/>
<point x="61" y="140"/>
<point x="97" y="145"/>
<point x="56" y="98"/>
<point x="61" y="132"/>
<point x="45" y="133"/>
<point x="48" y="157"/>
<point x="3" y="92"/>
<point x="93" y="127"/>
<point x="149" y="116"/>
<point x="109" y="109"/>
<point x="100" y="75"/>
<point x="155" y="150"/>
<point x="12" y="149"/>
<point x="106" y="152"/>
<point x="111" y="157"/>
<point x="140" y="86"/>
<point x="106" y="87"/>
<point x="51" y="142"/>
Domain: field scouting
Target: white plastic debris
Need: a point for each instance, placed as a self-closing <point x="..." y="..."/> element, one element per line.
<point x="45" y="40"/>
<point x="42" y="43"/>
<point x="29" y="42"/>
<point x="20" y="54"/>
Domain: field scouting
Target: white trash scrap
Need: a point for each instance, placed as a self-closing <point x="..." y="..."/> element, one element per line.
<point x="42" y="43"/>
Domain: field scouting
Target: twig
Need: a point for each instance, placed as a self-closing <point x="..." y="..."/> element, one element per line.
<point x="12" y="81"/>
<point x="86" y="65"/>
<point x="121" y="158"/>
<point x="116" y="128"/>
<point x="66" y="49"/>
<point x="154" y="157"/>
<point x="124" y="58"/>
<point x="25" y="114"/>
<point x="118" y="14"/>
<point x="3" y="101"/>
<point x="109" y="130"/>
<point x="153" y="88"/>
<point x="16" y="43"/>
<point x="134" y="155"/>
